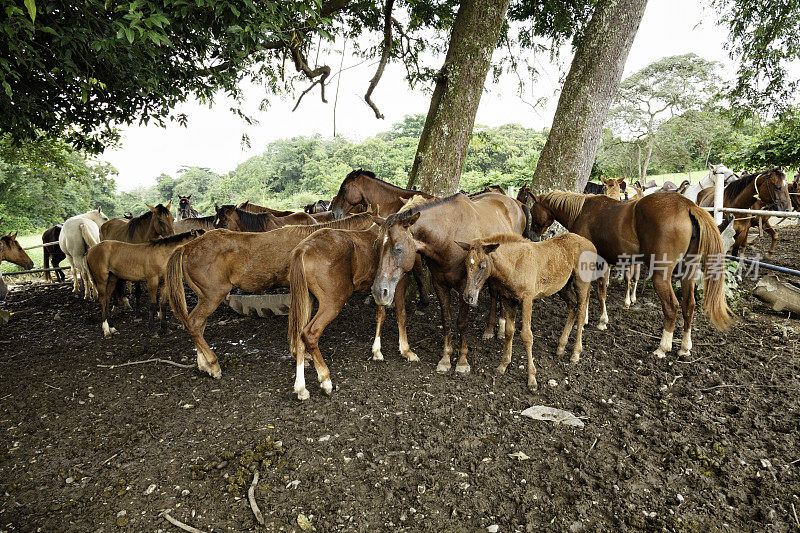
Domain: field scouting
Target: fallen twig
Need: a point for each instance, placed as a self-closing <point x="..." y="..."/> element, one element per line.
<point x="109" y="459"/>
<point x="251" y="495"/>
<point x="165" y="361"/>
<point x="722" y="386"/>
<point x="52" y="387"/>
<point x="677" y="377"/>
<point x="178" y="523"/>
<point x="794" y="512"/>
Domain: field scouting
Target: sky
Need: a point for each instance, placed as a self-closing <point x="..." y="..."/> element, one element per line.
<point x="213" y="136"/>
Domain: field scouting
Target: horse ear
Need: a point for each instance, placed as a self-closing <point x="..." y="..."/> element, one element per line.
<point x="150" y="207"/>
<point x="411" y="220"/>
<point x="489" y="248"/>
<point x="405" y="200"/>
<point x="464" y="246"/>
<point x="216" y="207"/>
<point x="189" y="197"/>
<point x="169" y="205"/>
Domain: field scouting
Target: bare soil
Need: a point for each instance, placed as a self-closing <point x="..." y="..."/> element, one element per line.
<point x="705" y="443"/>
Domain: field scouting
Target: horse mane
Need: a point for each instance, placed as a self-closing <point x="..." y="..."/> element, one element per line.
<point x="172" y="239"/>
<point x="347" y="223"/>
<point x="417" y="204"/>
<point x="571" y="203"/>
<point x="415" y="201"/>
<point x="735" y="188"/>
<point x="135" y="221"/>
<point x="253" y="221"/>
<point x="356" y="173"/>
<point x="501" y="238"/>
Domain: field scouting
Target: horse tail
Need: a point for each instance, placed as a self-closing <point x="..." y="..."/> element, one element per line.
<point x="527" y="231"/>
<point x="173" y="284"/>
<point x="88" y="237"/>
<point x="712" y="251"/>
<point x="300" y="308"/>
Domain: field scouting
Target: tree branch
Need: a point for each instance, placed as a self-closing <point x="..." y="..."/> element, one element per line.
<point x="301" y="65"/>
<point x="387" y="50"/>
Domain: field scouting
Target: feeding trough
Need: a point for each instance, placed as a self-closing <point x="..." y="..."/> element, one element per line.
<point x="777" y="294"/>
<point x="260" y="304"/>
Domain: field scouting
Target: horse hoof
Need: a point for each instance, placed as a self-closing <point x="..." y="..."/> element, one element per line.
<point x="561" y="351"/>
<point x="107" y="335"/>
<point x="575" y="358"/>
<point x="501" y="370"/>
<point x="602" y="326"/>
<point x="487" y="335"/>
<point x="303" y="395"/>
<point x="377" y="356"/>
<point x="442" y="368"/>
<point x="327" y="386"/>
<point x="532" y="384"/>
<point x="684" y="353"/>
<point x="501" y="335"/>
<point x="215" y="373"/>
<point x="463" y="369"/>
<point x="659" y="353"/>
<point x="411" y="357"/>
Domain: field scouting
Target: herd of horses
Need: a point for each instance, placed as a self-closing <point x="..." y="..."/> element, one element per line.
<point x="374" y="235"/>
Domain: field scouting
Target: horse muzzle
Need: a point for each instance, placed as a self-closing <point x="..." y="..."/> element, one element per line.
<point x="471" y="297"/>
<point x="383" y="291"/>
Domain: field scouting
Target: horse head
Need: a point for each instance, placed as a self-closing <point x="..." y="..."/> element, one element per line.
<point x="13" y="252"/>
<point x="185" y="206"/>
<point x="479" y="268"/>
<point x="541" y="217"/>
<point x="773" y="189"/>
<point x="162" y="219"/>
<point x="397" y="252"/>
<point x="226" y="217"/>
<point x="351" y="193"/>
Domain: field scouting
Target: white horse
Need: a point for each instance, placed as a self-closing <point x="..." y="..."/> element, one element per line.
<point x="709" y="180"/>
<point x="80" y="233"/>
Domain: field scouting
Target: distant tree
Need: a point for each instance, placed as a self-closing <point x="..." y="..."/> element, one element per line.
<point x="778" y="143"/>
<point x="659" y="91"/>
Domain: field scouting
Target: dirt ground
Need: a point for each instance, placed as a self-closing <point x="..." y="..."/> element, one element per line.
<point x="708" y="443"/>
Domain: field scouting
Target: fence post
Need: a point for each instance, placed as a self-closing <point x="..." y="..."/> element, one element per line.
<point x="719" y="187"/>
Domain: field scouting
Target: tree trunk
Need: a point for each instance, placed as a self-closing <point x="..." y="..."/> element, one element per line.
<point x="448" y="127"/>
<point x="588" y="92"/>
<point x="651" y="140"/>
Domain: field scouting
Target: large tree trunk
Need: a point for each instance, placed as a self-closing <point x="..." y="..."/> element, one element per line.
<point x="591" y="84"/>
<point x="448" y="127"/>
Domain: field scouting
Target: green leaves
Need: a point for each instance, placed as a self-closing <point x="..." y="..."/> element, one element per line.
<point x="30" y="5"/>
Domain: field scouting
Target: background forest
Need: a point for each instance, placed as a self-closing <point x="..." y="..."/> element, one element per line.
<point x="44" y="183"/>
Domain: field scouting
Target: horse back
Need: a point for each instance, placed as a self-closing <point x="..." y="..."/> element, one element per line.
<point x="498" y="213"/>
<point x="115" y="229"/>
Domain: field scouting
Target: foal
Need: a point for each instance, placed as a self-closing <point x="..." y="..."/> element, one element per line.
<point x="525" y="271"/>
<point x="110" y="261"/>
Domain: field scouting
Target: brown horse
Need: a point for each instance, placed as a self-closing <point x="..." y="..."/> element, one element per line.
<point x="632" y="272"/>
<point x="185" y="209"/>
<point x="221" y="259"/>
<point x="53" y="253"/>
<point x="188" y="224"/>
<point x="488" y="188"/>
<point x="331" y="264"/>
<point x="325" y="216"/>
<point x="236" y="219"/>
<point x="661" y="229"/>
<point x="431" y="229"/>
<point x="525" y="271"/>
<point x="110" y="261"/>
<point x="766" y="190"/>
<point x="155" y="223"/>
<point x="320" y="206"/>
<point x="254" y="208"/>
<point x="794" y="191"/>
<point x="11" y="250"/>
<point x="361" y="189"/>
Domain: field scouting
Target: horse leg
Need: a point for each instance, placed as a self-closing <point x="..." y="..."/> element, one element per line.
<point x="687" y="308"/>
<point x="669" y="305"/>
<point x="462" y="366"/>
<point x="510" y="314"/>
<point x="527" y="339"/>
<point x="443" y="294"/>
<point x="501" y="320"/>
<point x="491" y="322"/>
<point x="152" y="304"/>
<point x="206" y="304"/>
<point x="380" y="316"/>
<point x="47" y="277"/>
<point x="568" y="295"/>
<point x="103" y="283"/>
<point x="628" y="279"/>
<point x="637" y="274"/>
<point x="400" y="310"/>
<point x="419" y="278"/>
<point x="327" y="311"/>
<point x="772" y="233"/>
<point x="74" y="272"/>
<point x="582" y="288"/>
<point x="602" y="289"/>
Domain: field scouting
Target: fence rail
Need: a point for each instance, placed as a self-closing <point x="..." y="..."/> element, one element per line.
<point x="40" y="245"/>
<point x="34" y="271"/>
